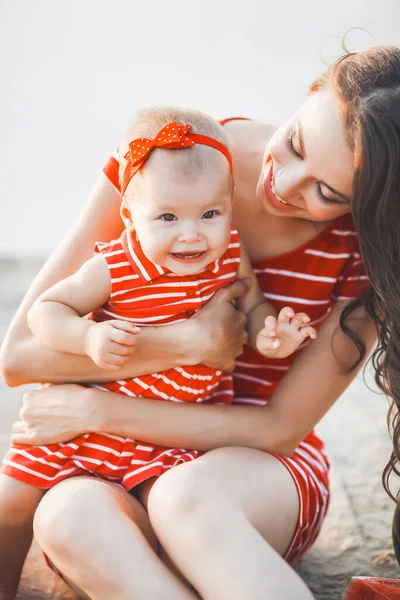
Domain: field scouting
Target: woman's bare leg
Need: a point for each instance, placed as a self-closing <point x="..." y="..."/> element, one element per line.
<point x="18" y="502"/>
<point x="226" y="520"/>
<point x="142" y="493"/>
<point x="100" y="538"/>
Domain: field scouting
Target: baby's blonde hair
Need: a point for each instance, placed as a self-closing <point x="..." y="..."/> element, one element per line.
<point x="148" y="123"/>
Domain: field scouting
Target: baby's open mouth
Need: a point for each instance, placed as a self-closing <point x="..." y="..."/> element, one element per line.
<point x="188" y="255"/>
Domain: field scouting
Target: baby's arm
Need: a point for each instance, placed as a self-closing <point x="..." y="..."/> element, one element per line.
<point x="274" y="336"/>
<point x="56" y="318"/>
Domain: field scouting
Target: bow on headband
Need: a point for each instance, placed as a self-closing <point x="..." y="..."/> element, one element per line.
<point x="172" y="136"/>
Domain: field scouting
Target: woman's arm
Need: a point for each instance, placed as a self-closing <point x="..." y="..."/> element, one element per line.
<point x="310" y="387"/>
<point x="23" y="358"/>
<point x="200" y="339"/>
<point x="308" y="390"/>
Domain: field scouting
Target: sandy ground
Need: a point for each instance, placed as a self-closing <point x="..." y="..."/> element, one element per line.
<point x="355" y="539"/>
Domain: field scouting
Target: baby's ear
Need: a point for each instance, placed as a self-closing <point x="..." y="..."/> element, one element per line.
<point x="126" y="216"/>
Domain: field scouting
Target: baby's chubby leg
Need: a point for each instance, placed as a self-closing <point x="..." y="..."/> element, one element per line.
<point x="18" y="502"/>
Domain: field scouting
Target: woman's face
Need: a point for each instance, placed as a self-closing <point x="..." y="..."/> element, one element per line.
<point x="307" y="170"/>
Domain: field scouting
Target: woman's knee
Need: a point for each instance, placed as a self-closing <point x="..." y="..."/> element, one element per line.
<point x="183" y="498"/>
<point x="192" y="488"/>
<point x="75" y="509"/>
<point x="66" y="510"/>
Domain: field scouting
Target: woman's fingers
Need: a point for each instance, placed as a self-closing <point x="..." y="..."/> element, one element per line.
<point x="18" y="427"/>
<point x="54" y="414"/>
<point x="244" y="338"/>
<point x="236" y="290"/>
<point x="30" y="438"/>
<point x="221" y="328"/>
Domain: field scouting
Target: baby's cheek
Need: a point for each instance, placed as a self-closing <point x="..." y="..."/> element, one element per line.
<point x="156" y="245"/>
<point x="225" y="236"/>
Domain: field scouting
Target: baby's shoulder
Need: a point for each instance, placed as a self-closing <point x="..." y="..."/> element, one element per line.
<point x="112" y="248"/>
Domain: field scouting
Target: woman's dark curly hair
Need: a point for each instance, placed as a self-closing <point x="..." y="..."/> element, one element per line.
<point x="367" y="85"/>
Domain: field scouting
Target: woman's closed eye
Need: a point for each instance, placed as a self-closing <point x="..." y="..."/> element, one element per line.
<point x="290" y="147"/>
<point x="323" y="198"/>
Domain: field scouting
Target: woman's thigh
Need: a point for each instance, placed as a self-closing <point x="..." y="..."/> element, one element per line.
<point x="77" y="494"/>
<point x="68" y="507"/>
<point x="254" y="482"/>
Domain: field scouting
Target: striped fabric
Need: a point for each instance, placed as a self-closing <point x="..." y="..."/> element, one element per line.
<point x="147" y="295"/>
<point x="310" y="278"/>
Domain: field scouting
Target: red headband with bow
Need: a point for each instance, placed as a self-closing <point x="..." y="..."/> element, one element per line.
<point x="171" y="136"/>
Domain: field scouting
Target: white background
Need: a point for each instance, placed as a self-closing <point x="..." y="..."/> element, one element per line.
<point x="73" y="72"/>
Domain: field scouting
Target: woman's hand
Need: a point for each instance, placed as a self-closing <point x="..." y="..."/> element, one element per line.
<point x="221" y="328"/>
<point x="52" y="414"/>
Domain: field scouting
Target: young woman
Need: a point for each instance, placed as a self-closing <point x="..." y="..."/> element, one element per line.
<point x="223" y="525"/>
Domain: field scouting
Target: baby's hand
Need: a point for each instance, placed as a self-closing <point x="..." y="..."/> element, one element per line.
<point x="110" y="344"/>
<point x="280" y="337"/>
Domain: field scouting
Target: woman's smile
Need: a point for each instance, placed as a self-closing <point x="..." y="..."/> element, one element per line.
<point x="271" y="195"/>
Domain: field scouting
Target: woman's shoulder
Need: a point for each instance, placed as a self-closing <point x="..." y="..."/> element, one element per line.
<point x="344" y="226"/>
<point x="249" y="140"/>
<point x="342" y="234"/>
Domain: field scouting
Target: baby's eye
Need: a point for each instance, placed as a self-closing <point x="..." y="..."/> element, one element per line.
<point x="210" y="214"/>
<point x="168" y="217"/>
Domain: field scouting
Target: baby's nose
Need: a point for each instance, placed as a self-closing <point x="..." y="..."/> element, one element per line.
<point x="190" y="234"/>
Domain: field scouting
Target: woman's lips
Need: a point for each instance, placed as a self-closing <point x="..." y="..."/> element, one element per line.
<point x="271" y="197"/>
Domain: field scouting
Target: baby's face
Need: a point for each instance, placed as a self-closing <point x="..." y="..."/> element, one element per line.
<point x="182" y="223"/>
